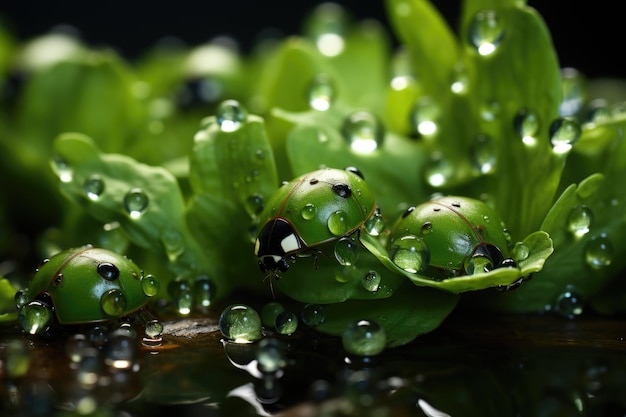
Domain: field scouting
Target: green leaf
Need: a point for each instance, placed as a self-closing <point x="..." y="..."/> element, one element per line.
<point x="410" y="312"/>
<point x="7" y="300"/>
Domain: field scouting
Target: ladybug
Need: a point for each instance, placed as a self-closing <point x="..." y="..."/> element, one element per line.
<point x="83" y="285"/>
<point x="313" y="209"/>
<point x="448" y="237"/>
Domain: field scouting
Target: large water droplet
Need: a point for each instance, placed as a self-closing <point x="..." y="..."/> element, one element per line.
<point x="338" y="223"/>
<point x="63" y="170"/>
<point x="520" y="252"/>
<point x="425" y="117"/>
<point x="599" y="252"/>
<point x="113" y="303"/>
<point x="569" y="304"/>
<point x="94" y="187"/>
<point x="574" y="86"/>
<point x="308" y="211"/>
<point x="478" y="264"/>
<point x="321" y="93"/>
<point x="486" y="32"/>
<point x="363" y="132"/>
<point x="526" y="124"/>
<point x="313" y="315"/>
<point x="579" y="220"/>
<point x="231" y="115"/>
<point x="346" y="251"/>
<point x="286" y="323"/>
<point x="150" y="285"/>
<point x="375" y="224"/>
<point x="136" y="202"/>
<point x="364" y="338"/>
<point x="35" y="317"/>
<point x="326" y="28"/>
<point x="371" y="280"/>
<point x="483" y="154"/>
<point x="240" y="323"/>
<point x="564" y="133"/>
<point x="410" y="253"/>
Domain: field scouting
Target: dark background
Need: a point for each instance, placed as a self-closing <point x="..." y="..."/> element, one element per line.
<point x="587" y="35"/>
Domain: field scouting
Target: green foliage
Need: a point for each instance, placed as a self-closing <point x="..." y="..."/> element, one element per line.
<point x="484" y="112"/>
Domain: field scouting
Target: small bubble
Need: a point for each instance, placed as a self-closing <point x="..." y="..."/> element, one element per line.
<point x="286" y="323"/>
<point x="231" y="115"/>
<point x="569" y="304"/>
<point x="63" y="170"/>
<point x="425" y="116"/>
<point x="410" y="253"/>
<point x="113" y="303"/>
<point x="313" y="315"/>
<point x="364" y="338"/>
<point x="34" y="317"/>
<point x="150" y="285"/>
<point x="136" y="202"/>
<point x="346" y="251"/>
<point x="271" y="355"/>
<point x="483" y="154"/>
<point x="579" y="220"/>
<point x="321" y="93"/>
<point x="94" y="187"/>
<point x="338" y="223"/>
<point x="254" y="205"/>
<point x="564" y="133"/>
<point x="371" y="280"/>
<point x="308" y="211"/>
<point x="375" y="224"/>
<point x="599" y="252"/>
<point x="363" y="132"/>
<point x="526" y="124"/>
<point x="270" y="311"/>
<point x="240" y="323"/>
<point x="486" y="32"/>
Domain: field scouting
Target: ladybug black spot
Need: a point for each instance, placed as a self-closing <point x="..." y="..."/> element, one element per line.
<point x="108" y="271"/>
<point x="57" y="280"/>
<point x="456" y="204"/>
<point x="342" y="190"/>
<point x="314" y="181"/>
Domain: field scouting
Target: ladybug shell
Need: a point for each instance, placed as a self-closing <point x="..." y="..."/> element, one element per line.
<point x="75" y="282"/>
<point x="300" y="214"/>
<point x="452" y="228"/>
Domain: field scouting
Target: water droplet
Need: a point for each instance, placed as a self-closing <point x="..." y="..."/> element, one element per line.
<point x="94" y="187"/>
<point x="520" y="251"/>
<point x="425" y="117"/>
<point x="150" y="285"/>
<point x="182" y="295"/>
<point x="76" y="346"/>
<point x="490" y="110"/>
<point x="346" y="251"/>
<point x="270" y="311"/>
<point x="136" y="202"/>
<point x="153" y="329"/>
<point x="313" y="315"/>
<point x="326" y="28"/>
<point x="599" y="252"/>
<point x="271" y="355"/>
<point x="438" y="170"/>
<point x="98" y="335"/>
<point x="308" y="211"/>
<point x="574" y="86"/>
<point x="254" y="205"/>
<point x="478" y="264"/>
<point x="113" y="303"/>
<point x="569" y="304"/>
<point x="63" y="170"/>
<point x="371" y="280"/>
<point x="375" y="224"/>
<point x="526" y="124"/>
<point x="486" y="32"/>
<point x="599" y="111"/>
<point x="125" y="329"/>
<point x="580" y="220"/>
<point x="231" y="115"/>
<point x="564" y="133"/>
<point x="426" y="229"/>
<point x="21" y="298"/>
<point x="483" y="154"/>
<point x="346" y="274"/>
<point x="363" y="132"/>
<point x="321" y="93"/>
<point x="120" y="352"/>
<point x="35" y="317"/>
<point x="203" y="292"/>
<point x="173" y="244"/>
<point x="364" y="338"/>
<point x="410" y="253"/>
<point x="338" y="223"/>
<point x="286" y="323"/>
<point x="240" y="323"/>
<point x="460" y="82"/>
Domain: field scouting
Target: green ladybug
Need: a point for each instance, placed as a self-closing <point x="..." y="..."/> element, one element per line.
<point x="83" y="285"/>
<point x="313" y="209"/>
<point x="448" y="237"/>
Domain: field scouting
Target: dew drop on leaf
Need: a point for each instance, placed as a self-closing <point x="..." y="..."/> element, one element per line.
<point x="286" y="323"/>
<point x="375" y="224"/>
<point x="483" y="154"/>
<point x="410" y="253"/>
<point x="490" y="110"/>
<point x="173" y="244"/>
<point x="308" y="211"/>
<point x="21" y="298"/>
<point x="34" y="317"/>
<point x="113" y="303"/>
<point x="150" y="285"/>
<point x="438" y="170"/>
<point x="526" y="124"/>
<point x="136" y="202"/>
<point x="363" y="131"/>
<point x="313" y="315"/>
<point x="231" y="115"/>
<point x="62" y="169"/>
<point x="94" y="187"/>
<point x="338" y="223"/>
<point x="564" y="133"/>
<point x="574" y="86"/>
<point x="424" y="117"/>
<point x="346" y="251"/>
<point x="579" y="220"/>
<point x="460" y="83"/>
<point x="321" y="93"/>
<point x="520" y="251"/>
<point x="240" y="323"/>
<point x="486" y="32"/>
<point x="599" y="252"/>
<point x="364" y="338"/>
<point x="371" y="280"/>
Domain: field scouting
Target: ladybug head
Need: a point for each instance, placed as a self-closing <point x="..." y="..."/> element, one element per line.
<point x="275" y="242"/>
